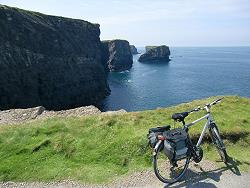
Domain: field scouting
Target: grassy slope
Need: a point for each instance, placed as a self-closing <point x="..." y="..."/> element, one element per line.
<point x="98" y="148"/>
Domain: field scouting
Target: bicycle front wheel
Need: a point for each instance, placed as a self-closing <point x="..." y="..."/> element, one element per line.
<point x="165" y="170"/>
<point x="214" y="132"/>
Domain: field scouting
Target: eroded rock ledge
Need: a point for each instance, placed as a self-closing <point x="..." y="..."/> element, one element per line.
<point x="15" y="116"/>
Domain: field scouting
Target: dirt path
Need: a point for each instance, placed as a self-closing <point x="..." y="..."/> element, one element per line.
<point x="206" y="175"/>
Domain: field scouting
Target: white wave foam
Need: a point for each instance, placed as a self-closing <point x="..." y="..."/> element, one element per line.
<point x="122" y="72"/>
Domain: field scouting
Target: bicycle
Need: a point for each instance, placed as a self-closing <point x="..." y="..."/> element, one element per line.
<point x="173" y="149"/>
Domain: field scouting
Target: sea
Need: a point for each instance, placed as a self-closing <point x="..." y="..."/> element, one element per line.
<point x="193" y="73"/>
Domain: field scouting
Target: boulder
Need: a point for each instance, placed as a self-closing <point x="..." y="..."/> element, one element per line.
<point x="49" y="61"/>
<point x="116" y="55"/>
<point x="133" y="50"/>
<point x="155" y="54"/>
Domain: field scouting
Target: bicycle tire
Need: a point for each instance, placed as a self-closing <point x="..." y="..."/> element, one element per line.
<point x="157" y="171"/>
<point x="215" y="135"/>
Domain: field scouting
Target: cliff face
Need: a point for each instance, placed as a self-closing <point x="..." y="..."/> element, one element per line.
<point x="50" y="61"/>
<point x="155" y="53"/>
<point x="116" y="55"/>
<point x="133" y="49"/>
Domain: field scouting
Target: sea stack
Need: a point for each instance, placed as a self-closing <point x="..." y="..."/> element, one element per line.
<point x="116" y="55"/>
<point x="49" y="61"/>
<point x="155" y="54"/>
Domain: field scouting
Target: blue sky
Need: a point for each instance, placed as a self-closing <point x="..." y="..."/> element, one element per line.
<point x="154" y="22"/>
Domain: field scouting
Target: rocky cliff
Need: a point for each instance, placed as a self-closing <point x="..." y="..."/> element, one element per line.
<point x="156" y="54"/>
<point x="50" y="61"/>
<point x="133" y="50"/>
<point x="116" y="55"/>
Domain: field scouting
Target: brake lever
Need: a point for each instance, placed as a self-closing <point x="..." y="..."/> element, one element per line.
<point x="198" y="108"/>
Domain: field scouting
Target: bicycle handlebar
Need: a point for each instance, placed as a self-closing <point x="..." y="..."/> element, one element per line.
<point x="206" y="106"/>
<point x="181" y="116"/>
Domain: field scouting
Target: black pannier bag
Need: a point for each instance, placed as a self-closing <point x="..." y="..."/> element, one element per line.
<point x="154" y="132"/>
<point x="175" y="145"/>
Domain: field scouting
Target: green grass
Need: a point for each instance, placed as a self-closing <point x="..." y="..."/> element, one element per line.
<point x="97" y="149"/>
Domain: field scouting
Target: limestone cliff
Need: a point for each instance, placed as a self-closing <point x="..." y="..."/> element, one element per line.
<point x="116" y="55"/>
<point x="50" y="61"/>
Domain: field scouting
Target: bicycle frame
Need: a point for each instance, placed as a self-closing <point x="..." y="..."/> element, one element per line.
<point x="192" y="151"/>
<point x="209" y="118"/>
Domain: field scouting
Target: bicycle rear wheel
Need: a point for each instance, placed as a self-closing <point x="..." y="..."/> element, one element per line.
<point x="214" y="132"/>
<point x="165" y="170"/>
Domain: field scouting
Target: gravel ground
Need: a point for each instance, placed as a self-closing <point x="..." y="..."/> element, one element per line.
<point x="205" y="174"/>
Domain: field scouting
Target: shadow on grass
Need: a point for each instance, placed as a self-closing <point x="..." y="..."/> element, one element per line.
<point x="193" y="179"/>
<point x="231" y="137"/>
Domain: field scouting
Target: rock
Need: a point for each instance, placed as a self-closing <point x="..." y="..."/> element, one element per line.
<point x="156" y="54"/>
<point x="116" y="55"/>
<point x="50" y="61"/>
<point x="81" y="111"/>
<point x="117" y="112"/>
<point x="133" y="50"/>
<point x="20" y="115"/>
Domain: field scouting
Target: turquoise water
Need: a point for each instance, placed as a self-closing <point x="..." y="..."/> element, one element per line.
<point x="193" y="73"/>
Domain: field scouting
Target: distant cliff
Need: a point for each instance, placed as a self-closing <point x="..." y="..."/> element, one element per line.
<point x="50" y="61"/>
<point x="155" y="54"/>
<point x="116" y="55"/>
<point x="133" y="50"/>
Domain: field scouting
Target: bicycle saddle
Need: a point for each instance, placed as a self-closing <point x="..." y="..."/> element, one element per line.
<point x="179" y="116"/>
